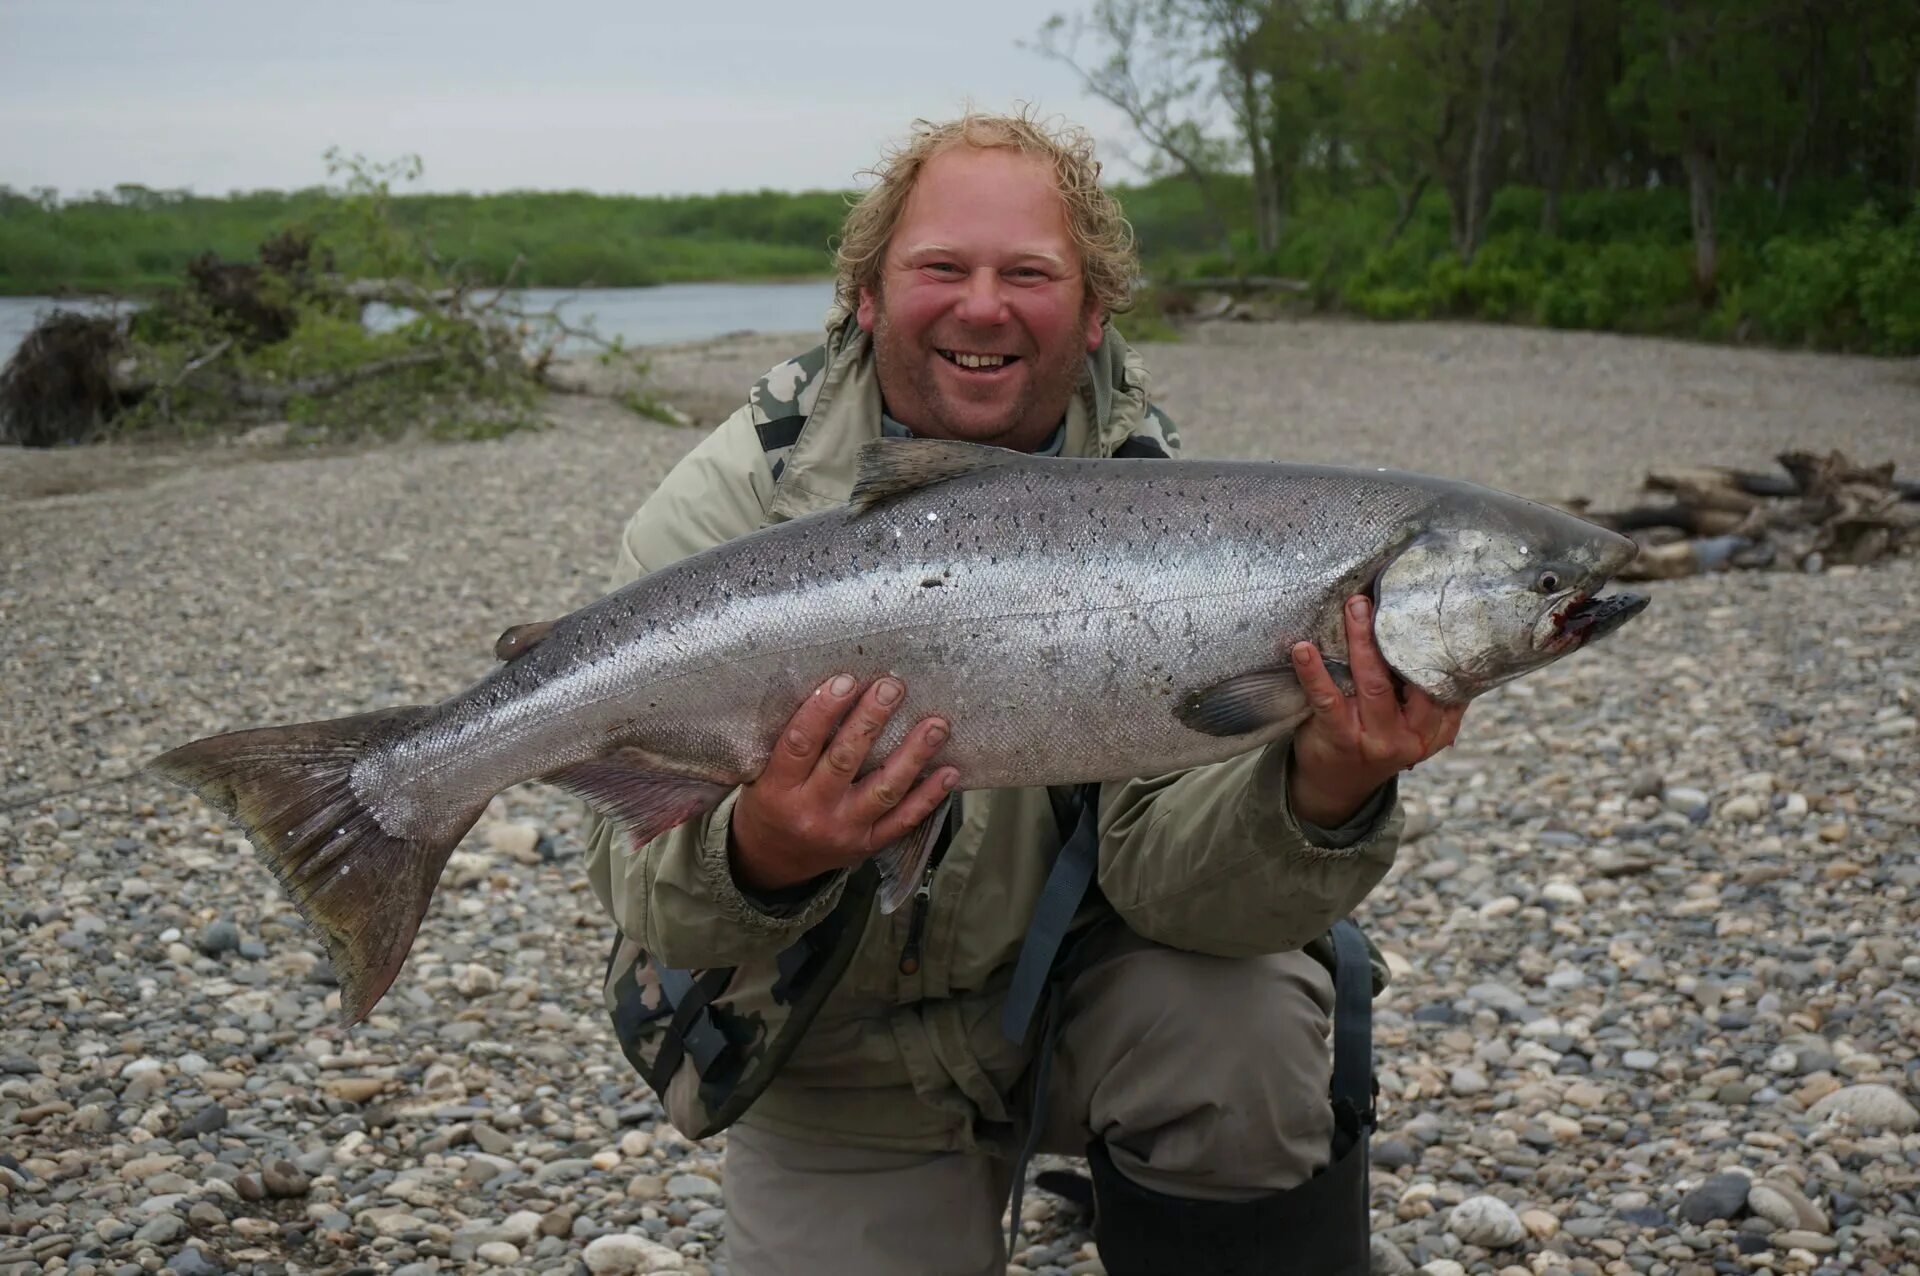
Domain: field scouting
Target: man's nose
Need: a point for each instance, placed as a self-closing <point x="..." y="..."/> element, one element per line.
<point x="984" y="300"/>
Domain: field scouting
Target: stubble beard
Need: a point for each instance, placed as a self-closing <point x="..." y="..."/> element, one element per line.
<point x="1040" y="405"/>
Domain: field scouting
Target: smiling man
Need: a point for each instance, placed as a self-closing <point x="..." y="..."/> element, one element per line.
<point x="887" y="1091"/>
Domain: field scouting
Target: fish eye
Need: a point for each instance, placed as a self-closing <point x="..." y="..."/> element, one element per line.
<point x="1548" y="582"/>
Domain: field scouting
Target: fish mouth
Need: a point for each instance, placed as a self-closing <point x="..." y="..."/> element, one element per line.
<point x="1590" y="619"/>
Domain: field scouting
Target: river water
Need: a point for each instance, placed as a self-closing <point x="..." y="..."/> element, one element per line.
<point x="638" y="316"/>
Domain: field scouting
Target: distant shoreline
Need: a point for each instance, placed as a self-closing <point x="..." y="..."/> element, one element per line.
<point x="147" y="289"/>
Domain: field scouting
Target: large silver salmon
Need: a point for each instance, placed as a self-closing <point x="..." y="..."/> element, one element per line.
<point x="1075" y="620"/>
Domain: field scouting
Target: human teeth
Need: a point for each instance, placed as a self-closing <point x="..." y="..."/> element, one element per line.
<point x="976" y="360"/>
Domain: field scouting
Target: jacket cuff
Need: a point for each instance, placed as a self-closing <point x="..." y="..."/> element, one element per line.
<point x="1366" y="824"/>
<point x="781" y="912"/>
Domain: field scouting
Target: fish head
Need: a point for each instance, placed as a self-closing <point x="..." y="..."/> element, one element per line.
<point x="1494" y="592"/>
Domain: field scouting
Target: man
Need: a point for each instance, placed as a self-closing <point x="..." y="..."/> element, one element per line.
<point x="975" y="283"/>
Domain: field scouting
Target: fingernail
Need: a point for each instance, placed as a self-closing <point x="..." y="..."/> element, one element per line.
<point x="936" y="734"/>
<point x="1358" y="607"/>
<point x="888" y="691"/>
<point x="1301" y="653"/>
<point x="950" y="779"/>
<point x="842" y="685"/>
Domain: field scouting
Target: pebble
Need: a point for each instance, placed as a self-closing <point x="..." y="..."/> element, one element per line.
<point x="1721" y="1197"/>
<point x="1468" y="1080"/>
<point x="219" y="937"/>
<point x="1486" y="1221"/>
<point x="692" y="1185"/>
<point x="619" y="1253"/>
<point x="1871" y="1107"/>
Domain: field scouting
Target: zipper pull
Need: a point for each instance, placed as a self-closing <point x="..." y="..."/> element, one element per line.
<point x="910" y="955"/>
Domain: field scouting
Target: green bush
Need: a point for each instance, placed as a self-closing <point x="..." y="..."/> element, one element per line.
<point x="1858" y="289"/>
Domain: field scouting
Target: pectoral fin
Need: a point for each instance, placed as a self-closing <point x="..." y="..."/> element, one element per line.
<point x="1246" y="703"/>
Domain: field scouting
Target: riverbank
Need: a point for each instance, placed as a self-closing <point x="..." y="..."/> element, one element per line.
<point x="1552" y="415"/>
<point x="1655" y="920"/>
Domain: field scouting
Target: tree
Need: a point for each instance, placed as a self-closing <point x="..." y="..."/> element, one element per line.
<point x="1148" y="68"/>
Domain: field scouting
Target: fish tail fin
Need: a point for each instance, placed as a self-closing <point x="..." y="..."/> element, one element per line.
<point x="361" y="888"/>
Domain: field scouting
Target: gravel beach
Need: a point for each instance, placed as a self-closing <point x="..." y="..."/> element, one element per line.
<point x="1656" y="927"/>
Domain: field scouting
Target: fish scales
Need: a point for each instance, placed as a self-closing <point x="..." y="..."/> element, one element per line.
<point x="1025" y="605"/>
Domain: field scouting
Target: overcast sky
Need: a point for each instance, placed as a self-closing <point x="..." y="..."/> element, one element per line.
<point x="644" y="96"/>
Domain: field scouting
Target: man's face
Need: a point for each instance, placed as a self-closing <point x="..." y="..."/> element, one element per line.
<point x="981" y="323"/>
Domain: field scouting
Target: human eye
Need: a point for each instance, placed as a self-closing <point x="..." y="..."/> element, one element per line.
<point x="942" y="267"/>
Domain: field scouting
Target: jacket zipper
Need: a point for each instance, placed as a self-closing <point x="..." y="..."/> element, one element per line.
<point x="910" y="955"/>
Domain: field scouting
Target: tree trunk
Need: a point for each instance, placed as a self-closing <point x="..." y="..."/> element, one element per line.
<point x="1566" y="93"/>
<point x="1913" y="171"/>
<point x="1334" y="53"/>
<point x="1700" y="176"/>
<point x="1266" y="204"/>
<point x="1486" y="136"/>
<point x="1409" y="205"/>
<point x="1706" y="257"/>
<point x="1814" y="36"/>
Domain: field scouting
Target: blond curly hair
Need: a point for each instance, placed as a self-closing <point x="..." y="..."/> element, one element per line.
<point x="1105" y="240"/>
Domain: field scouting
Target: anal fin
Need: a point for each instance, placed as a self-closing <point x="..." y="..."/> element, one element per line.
<point x="628" y="785"/>
<point x="903" y="864"/>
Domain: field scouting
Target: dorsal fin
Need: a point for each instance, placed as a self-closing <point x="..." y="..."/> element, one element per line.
<point x="520" y="639"/>
<point x="890" y="468"/>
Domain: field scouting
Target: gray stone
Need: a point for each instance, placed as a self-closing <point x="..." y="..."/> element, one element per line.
<point x="210" y="1117"/>
<point x="1871" y="1107"/>
<point x="190" y="1261"/>
<point x="621" y="1253"/>
<point x="285" y="1179"/>
<point x="1468" y="1080"/>
<point x="1486" y="1221"/>
<point x="161" y="1230"/>
<point x="1502" y="998"/>
<point x="1387" y="1259"/>
<point x="693" y="1185"/>
<point x="218" y="937"/>
<point x="1721" y="1197"/>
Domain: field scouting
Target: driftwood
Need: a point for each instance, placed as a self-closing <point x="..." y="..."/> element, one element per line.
<point x="75" y="372"/>
<point x="61" y="385"/>
<point x="1824" y="511"/>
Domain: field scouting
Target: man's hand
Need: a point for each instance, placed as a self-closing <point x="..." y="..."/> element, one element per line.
<point x="1354" y="744"/>
<point x="809" y="811"/>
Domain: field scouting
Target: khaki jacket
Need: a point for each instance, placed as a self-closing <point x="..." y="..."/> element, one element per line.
<point x="909" y="1055"/>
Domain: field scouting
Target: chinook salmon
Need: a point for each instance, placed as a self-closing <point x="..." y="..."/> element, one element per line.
<point x="1074" y="620"/>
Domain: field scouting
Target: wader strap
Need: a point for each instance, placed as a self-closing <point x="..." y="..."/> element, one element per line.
<point x="692" y="1030"/>
<point x="1052" y="1021"/>
<point x="1353" y="1023"/>
<point x="1073" y="872"/>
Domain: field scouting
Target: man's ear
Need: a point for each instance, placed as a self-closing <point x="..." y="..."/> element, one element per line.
<point x="1096" y="328"/>
<point x="864" y="313"/>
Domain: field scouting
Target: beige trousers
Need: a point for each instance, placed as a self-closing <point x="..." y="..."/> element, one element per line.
<point x="1207" y="1078"/>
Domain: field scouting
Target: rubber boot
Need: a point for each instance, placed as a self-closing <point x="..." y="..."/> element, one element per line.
<point x="1317" y="1229"/>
